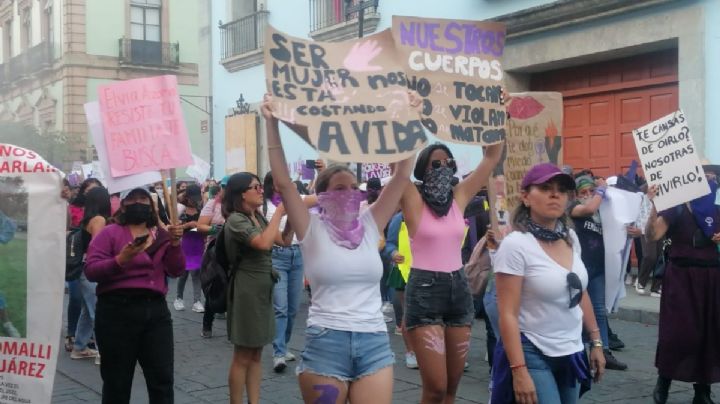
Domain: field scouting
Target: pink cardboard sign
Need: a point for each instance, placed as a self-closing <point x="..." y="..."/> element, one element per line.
<point x="143" y="125"/>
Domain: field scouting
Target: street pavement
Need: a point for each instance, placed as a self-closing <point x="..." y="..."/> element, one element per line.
<point x="201" y="368"/>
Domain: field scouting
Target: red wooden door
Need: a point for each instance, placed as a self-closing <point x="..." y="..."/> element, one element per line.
<point x="605" y="101"/>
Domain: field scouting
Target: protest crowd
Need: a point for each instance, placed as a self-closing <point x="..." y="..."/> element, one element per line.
<point x="540" y="289"/>
<point x="422" y="253"/>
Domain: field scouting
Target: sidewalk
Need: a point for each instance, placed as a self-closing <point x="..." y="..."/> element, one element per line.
<point x="638" y="308"/>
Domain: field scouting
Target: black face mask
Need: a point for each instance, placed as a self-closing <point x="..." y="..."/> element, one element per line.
<point x="138" y="213"/>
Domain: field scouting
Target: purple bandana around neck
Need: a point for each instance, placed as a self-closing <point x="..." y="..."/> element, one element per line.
<point x="705" y="212"/>
<point x="340" y="211"/>
<point x="276" y="199"/>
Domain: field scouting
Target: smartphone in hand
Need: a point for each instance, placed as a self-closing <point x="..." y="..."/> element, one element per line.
<point x="310" y="164"/>
<point x="140" y="240"/>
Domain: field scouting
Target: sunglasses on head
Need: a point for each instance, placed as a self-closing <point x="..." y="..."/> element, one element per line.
<point x="447" y="163"/>
<point x="574" y="289"/>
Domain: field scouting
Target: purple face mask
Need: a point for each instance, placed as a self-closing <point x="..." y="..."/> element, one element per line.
<point x="276" y="199"/>
<point x="340" y="210"/>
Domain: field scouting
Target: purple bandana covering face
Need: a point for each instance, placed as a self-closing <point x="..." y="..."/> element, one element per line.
<point x="276" y="199"/>
<point x="340" y="211"/>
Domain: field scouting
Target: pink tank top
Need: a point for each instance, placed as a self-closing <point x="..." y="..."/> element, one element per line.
<point x="437" y="242"/>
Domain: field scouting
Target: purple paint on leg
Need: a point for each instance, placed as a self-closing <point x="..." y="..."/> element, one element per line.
<point x="328" y="394"/>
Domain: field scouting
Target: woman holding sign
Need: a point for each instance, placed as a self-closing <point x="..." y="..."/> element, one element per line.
<point x="347" y="355"/>
<point x="439" y="305"/>
<point x="689" y="329"/>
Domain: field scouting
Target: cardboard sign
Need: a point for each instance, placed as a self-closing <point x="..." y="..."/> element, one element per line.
<point x="32" y="220"/>
<point x="119" y="184"/>
<point x="375" y="170"/>
<point x="533" y="136"/>
<point x="143" y="125"/>
<point x="351" y="95"/>
<point x="670" y="161"/>
<point x="456" y="67"/>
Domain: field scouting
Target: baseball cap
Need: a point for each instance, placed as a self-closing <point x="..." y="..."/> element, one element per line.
<point x="124" y="194"/>
<point x="544" y="172"/>
<point x="224" y="181"/>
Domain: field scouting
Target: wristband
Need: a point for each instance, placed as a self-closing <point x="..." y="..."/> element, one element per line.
<point x="516" y="367"/>
<point x="213" y="230"/>
<point x="596" y="343"/>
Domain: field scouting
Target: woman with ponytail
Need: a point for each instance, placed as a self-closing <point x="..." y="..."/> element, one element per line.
<point x="542" y="300"/>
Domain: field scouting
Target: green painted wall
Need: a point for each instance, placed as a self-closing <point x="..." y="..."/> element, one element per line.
<point x="105" y="26"/>
<point x="184" y="22"/>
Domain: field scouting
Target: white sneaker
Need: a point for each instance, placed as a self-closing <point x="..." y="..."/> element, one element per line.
<point x="179" y="305"/>
<point x="279" y="364"/>
<point x="387" y="307"/>
<point x="97" y="360"/>
<point x="84" y="354"/>
<point x="639" y="289"/>
<point x="388" y="319"/>
<point x="289" y="356"/>
<point x="655" y="294"/>
<point x="198" y="307"/>
<point x="628" y="280"/>
<point x="10" y="330"/>
<point x="411" y="360"/>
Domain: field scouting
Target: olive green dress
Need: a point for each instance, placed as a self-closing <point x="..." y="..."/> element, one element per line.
<point x="250" y="316"/>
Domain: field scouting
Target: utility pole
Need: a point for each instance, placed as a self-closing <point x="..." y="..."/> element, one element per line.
<point x="359" y="8"/>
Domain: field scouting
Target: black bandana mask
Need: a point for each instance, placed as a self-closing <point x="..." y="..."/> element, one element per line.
<point x="544" y="234"/>
<point x="437" y="189"/>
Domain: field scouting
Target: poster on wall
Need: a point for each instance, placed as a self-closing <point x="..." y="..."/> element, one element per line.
<point x="32" y="218"/>
<point x="670" y="161"/>
<point x="456" y="66"/>
<point x="352" y="96"/>
<point x="534" y="135"/>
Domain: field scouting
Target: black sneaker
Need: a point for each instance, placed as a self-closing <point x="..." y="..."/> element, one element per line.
<point x="615" y="343"/>
<point x="612" y="363"/>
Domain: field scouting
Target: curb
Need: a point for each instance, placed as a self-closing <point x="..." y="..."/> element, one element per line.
<point x="636" y="316"/>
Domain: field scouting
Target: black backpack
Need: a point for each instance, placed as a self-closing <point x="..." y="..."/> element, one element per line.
<point x="74" y="255"/>
<point x="215" y="274"/>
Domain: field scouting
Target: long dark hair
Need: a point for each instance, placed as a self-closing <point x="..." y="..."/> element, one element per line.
<point x="424" y="159"/>
<point x="236" y="186"/>
<point x="323" y="180"/>
<point x="268" y="186"/>
<point x="80" y="198"/>
<point x="97" y="203"/>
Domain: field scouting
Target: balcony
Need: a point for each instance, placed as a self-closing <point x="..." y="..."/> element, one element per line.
<point x="329" y="21"/>
<point x="24" y="65"/>
<point x="243" y="41"/>
<point x="139" y="52"/>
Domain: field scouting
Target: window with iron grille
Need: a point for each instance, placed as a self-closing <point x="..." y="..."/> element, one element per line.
<point x="145" y="32"/>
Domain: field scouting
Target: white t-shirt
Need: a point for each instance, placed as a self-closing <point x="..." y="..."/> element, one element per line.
<point x="344" y="283"/>
<point x="283" y="222"/>
<point x="545" y="317"/>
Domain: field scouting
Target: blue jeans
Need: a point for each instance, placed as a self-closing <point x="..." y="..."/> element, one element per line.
<point x="86" y="322"/>
<point x="345" y="355"/>
<point x="74" y="306"/>
<point x="546" y="373"/>
<point x="286" y="294"/>
<point x="596" y="291"/>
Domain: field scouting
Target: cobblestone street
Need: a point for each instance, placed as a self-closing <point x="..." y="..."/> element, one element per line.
<point x="201" y="368"/>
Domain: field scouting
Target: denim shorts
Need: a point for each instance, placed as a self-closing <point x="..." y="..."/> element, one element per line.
<point x="345" y="355"/>
<point x="438" y="298"/>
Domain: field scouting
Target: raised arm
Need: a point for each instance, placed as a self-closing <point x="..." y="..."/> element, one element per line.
<point x="387" y="203"/>
<point x="471" y="185"/>
<point x="297" y="212"/>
